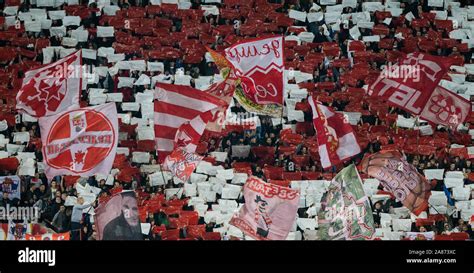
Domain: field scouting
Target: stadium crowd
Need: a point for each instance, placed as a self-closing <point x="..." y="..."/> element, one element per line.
<point x="282" y="150"/>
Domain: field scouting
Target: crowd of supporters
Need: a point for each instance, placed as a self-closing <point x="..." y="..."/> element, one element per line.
<point x="292" y="157"/>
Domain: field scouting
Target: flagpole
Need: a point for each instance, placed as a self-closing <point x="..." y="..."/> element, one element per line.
<point x="163" y="176"/>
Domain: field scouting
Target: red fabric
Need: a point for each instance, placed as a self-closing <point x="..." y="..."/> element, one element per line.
<point x="126" y="175"/>
<point x="424" y="222"/>
<point x="455" y="236"/>
<point x="170" y="235"/>
<point x="287" y="150"/>
<point x="283" y="183"/>
<point x="70" y="180"/>
<point x="310" y="175"/>
<point x="196" y="231"/>
<point x="9" y="164"/>
<point x="275" y="173"/>
<point x="292" y="176"/>
<point x="146" y="145"/>
<point x="263" y="151"/>
<point x="211" y="236"/>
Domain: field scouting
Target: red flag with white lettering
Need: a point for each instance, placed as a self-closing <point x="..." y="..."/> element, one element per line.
<point x="336" y="139"/>
<point x="259" y="65"/>
<point x="53" y="88"/>
<point x="409" y="84"/>
<point x="446" y="108"/>
<point x="80" y="142"/>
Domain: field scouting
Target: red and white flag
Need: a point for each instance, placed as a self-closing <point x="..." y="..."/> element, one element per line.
<point x="53" y="88"/>
<point x="336" y="138"/>
<point x="80" y="142"/>
<point x="269" y="211"/>
<point x="446" y="108"/>
<point x="181" y="115"/>
<point x="259" y="65"/>
<point x="182" y="164"/>
<point x="410" y="83"/>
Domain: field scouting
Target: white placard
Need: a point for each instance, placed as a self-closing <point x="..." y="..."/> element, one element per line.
<point x="372" y="38"/>
<point x="434" y="174"/>
<point x="140" y="157"/>
<point x="315" y="16"/>
<point x="146" y="133"/>
<point x="105" y="31"/>
<point x="114" y="97"/>
<point x="71" y="21"/>
<point x="130" y="106"/>
<point x="125" y="82"/>
<point x="453" y="182"/>
<point x="297" y="15"/>
<point x="22" y="137"/>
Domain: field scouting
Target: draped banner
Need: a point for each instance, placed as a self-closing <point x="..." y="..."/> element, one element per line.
<point x="118" y="218"/>
<point x="269" y="210"/>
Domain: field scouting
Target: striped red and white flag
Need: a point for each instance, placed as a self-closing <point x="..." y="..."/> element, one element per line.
<point x="336" y="139"/>
<point x="181" y="115"/>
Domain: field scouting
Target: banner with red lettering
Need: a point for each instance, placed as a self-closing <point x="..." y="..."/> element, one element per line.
<point x="399" y="178"/>
<point x="269" y="210"/>
<point x="446" y="108"/>
<point x="410" y="83"/>
<point x="80" y="142"/>
<point x="259" y="65"/>
<point x="182" y="164"/>
<point x="52" y="88"/>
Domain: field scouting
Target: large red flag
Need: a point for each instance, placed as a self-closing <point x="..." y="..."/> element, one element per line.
<point x="269" y="210"/>
<point x="336" y="138"/>
<point x="409" y="83"/>
<point x="53" y="88"/>
<point x="400" y="178"/>
<point x="259" y="65"/>
<point x="80" y="142"/>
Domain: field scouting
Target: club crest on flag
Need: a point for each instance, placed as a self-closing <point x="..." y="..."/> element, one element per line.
<point x="52" y="88"/>
<point x="182" y="164"/>
<point x="446" y="108"/>
<point x="78" y="141"/>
